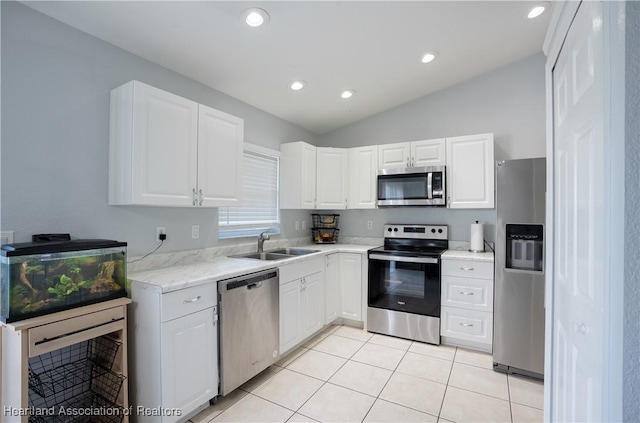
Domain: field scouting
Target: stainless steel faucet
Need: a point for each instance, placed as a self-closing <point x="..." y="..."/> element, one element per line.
<point x="261" y="239"/>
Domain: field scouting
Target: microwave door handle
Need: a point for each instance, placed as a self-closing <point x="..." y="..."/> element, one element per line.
<point x="430" y="185"/>
<point x="428" y="260"/>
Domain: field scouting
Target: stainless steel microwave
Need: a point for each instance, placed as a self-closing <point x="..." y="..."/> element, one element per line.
<point x="412" y="186"/>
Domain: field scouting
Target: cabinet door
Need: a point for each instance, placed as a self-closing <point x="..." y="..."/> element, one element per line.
<point x="332" y="288"/>
<point x="163" y="147"/>
<point x="363" y="171"/>
<point x="470" y="172"/>
<point x="351" y="285"/>
<point x="394" y="155"/>
<point x="313" y="307"/>
<point x="290" y="305"/>
<point x="331" y="178"/>
<point x="428" y="153"/>
<point x="308" y="177"/>
<point x="189" y="368"/>
<point x="220" y="150"/>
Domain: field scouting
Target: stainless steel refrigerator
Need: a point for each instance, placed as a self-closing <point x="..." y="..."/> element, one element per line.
<point x="518" y="328"/>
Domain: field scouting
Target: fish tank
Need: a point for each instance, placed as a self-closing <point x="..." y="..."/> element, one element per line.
<point x="39" y="278"/>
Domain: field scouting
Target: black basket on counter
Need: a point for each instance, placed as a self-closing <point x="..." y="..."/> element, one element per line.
<point x="325" y="221"/>
<point x="325" y="236"/>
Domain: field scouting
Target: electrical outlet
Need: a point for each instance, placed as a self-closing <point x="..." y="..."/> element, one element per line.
<point x="297" y="225"/>
<point x="160" y="230"/>
<point x="195" y="231"/>
<point x="6" y="237"/>
<point x="304" y="225"/>
<point x="369" y="224"/>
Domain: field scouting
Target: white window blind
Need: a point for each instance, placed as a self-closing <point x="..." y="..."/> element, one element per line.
<point x="260" y="210"/>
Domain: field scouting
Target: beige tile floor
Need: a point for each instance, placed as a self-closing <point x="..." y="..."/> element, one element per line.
<point x="349" y="375"/>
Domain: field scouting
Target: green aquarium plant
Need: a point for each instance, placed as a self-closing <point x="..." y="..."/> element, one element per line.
<point x="66" y="286"/>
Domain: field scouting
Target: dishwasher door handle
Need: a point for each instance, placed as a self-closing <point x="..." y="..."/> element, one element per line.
<point x="254" y="285"/>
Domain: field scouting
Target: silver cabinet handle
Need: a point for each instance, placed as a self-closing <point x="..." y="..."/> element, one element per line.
<point x="201" y="196"/>
<point x="466" y="325"/>
<point x="466" y="269"/>
<point x="193" y="300"/>
<point x="466" y="293"/>
<point x="412" y="162"/>
<point x="346" y="203"/>
<point x="195" y="201"/>
<point x="408" y="165"/>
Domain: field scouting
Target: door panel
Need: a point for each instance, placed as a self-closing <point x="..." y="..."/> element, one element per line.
<point x="578" y="212"/>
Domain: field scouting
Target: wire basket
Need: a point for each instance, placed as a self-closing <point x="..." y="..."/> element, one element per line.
<point x="88" y="407"/>
<point x="325" y="236"/>
<point x="325" y="221"/>
<point x="72" y="368"/>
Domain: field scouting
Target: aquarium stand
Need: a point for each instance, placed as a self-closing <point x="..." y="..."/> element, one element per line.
<point x="75" y="358"/>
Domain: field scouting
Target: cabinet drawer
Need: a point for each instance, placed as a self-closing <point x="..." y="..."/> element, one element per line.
<point x="470" y="325"/>
<point x="468" y="269"/>
<point x="189" y="300"/>
<point x="472" y="294"/>
<point x="299" y="269"/>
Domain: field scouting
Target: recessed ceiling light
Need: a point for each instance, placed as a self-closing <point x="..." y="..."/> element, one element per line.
<point x="297" y="85"/>
<point x="537" y="10"/>
<point x="255" y="17"/>
<point x="347" y="94"/>
<point x="429" y="57"/>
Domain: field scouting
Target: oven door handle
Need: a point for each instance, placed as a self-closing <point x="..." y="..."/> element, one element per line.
<point x="428" y="260"/>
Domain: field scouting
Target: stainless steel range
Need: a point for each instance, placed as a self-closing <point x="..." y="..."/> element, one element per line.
<point x="404" y="282"/>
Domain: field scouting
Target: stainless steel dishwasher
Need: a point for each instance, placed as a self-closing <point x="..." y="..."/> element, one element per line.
<point x="249" y="327"/>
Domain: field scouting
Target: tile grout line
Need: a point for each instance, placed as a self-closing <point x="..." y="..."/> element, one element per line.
<point x="446" y="387"/>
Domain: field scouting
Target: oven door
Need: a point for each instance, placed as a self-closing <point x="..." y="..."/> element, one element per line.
<point x="403" y="283"/>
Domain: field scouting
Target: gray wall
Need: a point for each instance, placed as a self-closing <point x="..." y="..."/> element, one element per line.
<point x="631" y="366"/>
<point x="55" y="136"/>
<point x="510" y="102"/>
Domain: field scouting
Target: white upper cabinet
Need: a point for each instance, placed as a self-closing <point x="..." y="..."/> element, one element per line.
<point x="165" y="150"/>
<point x="363" y="170"/>
<point x="470" y="172"/>
<point x="331" y="178"/>
<point x="297" y="176"/>
<point x="428" y="153"/>
<point x="412" y="154"/>
<point x="220" y="153"/>
<point x="394" y="155"/>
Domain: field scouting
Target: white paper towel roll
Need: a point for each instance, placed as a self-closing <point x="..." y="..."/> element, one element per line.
<point x="476" y="243"/>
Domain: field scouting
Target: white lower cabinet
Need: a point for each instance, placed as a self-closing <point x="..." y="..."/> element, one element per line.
<point x="467" y="303"/>
<point x="343" y="287"/>
<point x="302" y="302"/>
<point x="174" y="350"/>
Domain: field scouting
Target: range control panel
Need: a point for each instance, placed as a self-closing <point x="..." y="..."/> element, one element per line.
<point x="416" y="231"/>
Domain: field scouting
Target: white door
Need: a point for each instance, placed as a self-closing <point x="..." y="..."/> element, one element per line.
<point x="470" y="172"/>
<point x="363" y="165"/>
<point x="351" y="285"/>
<point x="220" y="150"/>
<point x="189" y="362"/>
<point x="579" y="222"/>
<point x="313" y="306"/>
<point x="428" y="153"/>
<point x="394" y="155"/>
<point x="332" y="288"/>
<point x="165" y="151"/>
<point x="331" y="178"/>
<point x="290" y="304"/>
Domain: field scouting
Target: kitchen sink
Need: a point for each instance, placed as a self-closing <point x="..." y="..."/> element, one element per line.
<point x="292" y="251"/>
<point x="276" y="254"/>
<point x="262" y="256"/>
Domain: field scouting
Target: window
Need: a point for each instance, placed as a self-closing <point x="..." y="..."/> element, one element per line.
<point x="260" y="210"/>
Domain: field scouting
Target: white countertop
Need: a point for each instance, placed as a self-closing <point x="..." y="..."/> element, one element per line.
<point x="179" y="277"/>
<point x="464" y="254"/>
<point x="173" y="278"/>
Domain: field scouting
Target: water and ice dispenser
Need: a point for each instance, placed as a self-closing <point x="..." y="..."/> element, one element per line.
<point x="524" y="247"/>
